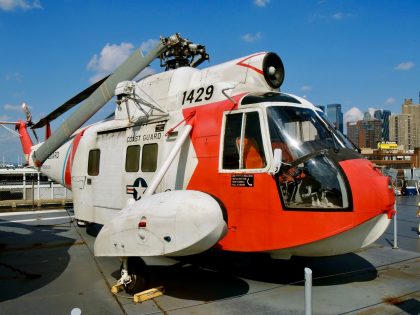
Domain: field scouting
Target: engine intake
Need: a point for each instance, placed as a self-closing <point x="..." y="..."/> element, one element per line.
<point x="273" y="70"/>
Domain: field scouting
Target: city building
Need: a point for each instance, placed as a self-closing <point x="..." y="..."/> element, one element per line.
<point x="383" y="116"/>
<point x="372" y="133"/>
<point x="405" y="127"/>
<point x="365" y="133"/>
<point x="353" y="130"/>
<point x="335" y="116"/>
<point x="385" y="124"/>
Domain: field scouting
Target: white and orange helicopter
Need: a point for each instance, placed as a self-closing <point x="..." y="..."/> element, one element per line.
<point x="219" y="157"/>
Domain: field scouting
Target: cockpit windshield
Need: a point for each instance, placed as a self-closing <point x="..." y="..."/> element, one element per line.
<point x="299" y="131"/>
<point x="350" y="145"/>
<point x="309" y="178"/>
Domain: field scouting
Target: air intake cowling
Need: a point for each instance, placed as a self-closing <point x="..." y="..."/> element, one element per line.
<point x="273" y="70"/>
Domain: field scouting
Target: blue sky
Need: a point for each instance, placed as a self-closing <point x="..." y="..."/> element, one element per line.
<point x="362" y="54"/>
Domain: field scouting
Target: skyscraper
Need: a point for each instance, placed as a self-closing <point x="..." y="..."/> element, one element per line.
<point x="383" y="116"/>
<point x="385" y="124"/>
<point x="335" y="116"/>
<point x="405" y="128"/>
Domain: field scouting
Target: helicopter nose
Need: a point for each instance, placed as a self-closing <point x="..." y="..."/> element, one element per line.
<point x="388" y="195"/>
<point x="372" y="192"/>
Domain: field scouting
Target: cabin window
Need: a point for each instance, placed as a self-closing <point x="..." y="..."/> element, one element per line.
<point x="243" y="145"/>
<point x="93" y="162"/>
<point x="132" y="158"/>
<point x="149" y="157"/>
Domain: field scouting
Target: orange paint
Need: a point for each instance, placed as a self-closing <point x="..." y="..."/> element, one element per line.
<point x="257" y="220"/>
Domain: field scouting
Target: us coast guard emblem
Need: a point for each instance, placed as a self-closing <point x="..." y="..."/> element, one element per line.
<point x="137" y="189"/>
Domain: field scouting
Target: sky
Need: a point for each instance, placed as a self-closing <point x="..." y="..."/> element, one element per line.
<point x="362" y="54"/>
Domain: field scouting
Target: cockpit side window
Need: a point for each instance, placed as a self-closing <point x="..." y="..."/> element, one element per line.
<point x="232" y="132"/>
<point x="243" y="146"/>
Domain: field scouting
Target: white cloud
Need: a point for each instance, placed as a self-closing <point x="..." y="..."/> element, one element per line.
<point x="10" y="5"/>
<point x="148" y="45"/>
<point x="390" y="101"/>
<point x="112" y="55"/>
<point x="4" y="118"/>
<point x="261" y="3"/>
<point x="16" y="76"/>
<point x="338" y="16"/>
<point x="14" y="108"/>
<point x="250" y="38"/>
<point x="404" y="66"/>
<point x="371" y="112"/>
<point x="352" y="115"/>
<point x="306" y="88"/>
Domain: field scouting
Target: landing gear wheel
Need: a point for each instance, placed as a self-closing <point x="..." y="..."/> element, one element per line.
<point x="137" y="270"/>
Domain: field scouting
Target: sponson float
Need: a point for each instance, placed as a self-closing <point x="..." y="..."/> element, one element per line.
<point x="217" y="157"/>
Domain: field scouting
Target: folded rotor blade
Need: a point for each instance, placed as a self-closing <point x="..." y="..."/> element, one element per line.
<point x="126" y="71"/>
<point x="68" y="105"/>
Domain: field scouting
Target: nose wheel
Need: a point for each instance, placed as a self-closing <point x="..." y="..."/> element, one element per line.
<point x="134" y="275"/>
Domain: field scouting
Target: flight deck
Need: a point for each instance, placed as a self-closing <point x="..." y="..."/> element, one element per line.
<point x="47" y="266"/>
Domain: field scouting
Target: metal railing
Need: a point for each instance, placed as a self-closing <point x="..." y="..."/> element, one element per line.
<point x="27" y="187"/>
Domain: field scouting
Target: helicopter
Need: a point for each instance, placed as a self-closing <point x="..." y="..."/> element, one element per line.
<point x="218" y="157"/>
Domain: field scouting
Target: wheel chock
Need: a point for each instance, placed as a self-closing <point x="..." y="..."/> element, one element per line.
<point x="117" y="288"/>
<point x="148" y="294"/>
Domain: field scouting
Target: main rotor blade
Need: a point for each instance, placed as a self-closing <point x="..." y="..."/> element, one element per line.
<point x="69" y="104"/>
<point x="126" y="71"/>
<point x="8" y="122"/>
<point x="35" y="135"/>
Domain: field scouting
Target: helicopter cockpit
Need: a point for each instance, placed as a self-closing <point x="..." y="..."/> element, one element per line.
<point x="309" y="176"/>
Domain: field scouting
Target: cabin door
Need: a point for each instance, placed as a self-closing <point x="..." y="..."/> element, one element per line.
<point x="108" y="189"/>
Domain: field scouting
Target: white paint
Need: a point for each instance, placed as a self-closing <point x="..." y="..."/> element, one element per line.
<point x="37" y="219"/>
<point x="164" y="168"/>
<point x="178" y="223"/>
<point x="346" y="242"/>
<point x="76" y="311"/>
<point x="8" y="214"/>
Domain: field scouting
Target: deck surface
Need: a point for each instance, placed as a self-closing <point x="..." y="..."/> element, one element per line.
<point x="47" y="266"/>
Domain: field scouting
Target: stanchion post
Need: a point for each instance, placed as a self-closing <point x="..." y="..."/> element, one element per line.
<point x="33" y="191"/>
<point x="308" y="291"/>
<point x="395" y="246"/>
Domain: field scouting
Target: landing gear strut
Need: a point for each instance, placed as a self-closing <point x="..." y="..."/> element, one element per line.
<point x="134" y="275"/>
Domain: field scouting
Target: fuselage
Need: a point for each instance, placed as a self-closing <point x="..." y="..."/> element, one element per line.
<point x="325" y="199"/>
